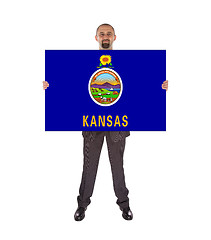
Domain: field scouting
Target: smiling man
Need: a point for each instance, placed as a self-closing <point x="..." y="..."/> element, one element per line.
<point x="93" y="142"/>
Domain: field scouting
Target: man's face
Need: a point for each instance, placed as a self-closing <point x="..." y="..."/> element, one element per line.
<point x="105" y="36"/>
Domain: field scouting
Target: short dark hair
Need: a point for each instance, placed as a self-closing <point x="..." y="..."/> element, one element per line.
<point x="105" y="24"/>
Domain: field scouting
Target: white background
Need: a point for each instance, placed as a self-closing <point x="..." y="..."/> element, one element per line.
<point x="167" y="173"/>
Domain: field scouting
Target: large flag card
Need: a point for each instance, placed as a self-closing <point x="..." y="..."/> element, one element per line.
<point x="105" y="90"/>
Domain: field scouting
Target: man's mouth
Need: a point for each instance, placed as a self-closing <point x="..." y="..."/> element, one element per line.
<point x="106" y="43"/>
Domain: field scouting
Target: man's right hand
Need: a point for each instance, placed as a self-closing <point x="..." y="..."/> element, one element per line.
<point x="45" y="84"/>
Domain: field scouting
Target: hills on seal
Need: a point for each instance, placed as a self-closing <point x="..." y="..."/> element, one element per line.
<point x="105" y="85"/>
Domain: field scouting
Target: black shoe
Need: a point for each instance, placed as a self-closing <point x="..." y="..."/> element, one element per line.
<point x="80" y="213"/>
<point x="127" y="213"/>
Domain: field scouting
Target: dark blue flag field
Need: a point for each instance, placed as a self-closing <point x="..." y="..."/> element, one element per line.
<point x="105" y="90"/>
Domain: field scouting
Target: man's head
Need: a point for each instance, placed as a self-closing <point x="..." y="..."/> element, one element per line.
<point x="105" y="35"/>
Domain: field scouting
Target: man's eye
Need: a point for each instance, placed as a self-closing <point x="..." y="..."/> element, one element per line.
<point x="101" y="34"/>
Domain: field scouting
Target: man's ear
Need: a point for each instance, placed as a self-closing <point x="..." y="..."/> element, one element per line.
<point x="96" y="38"/>
<point x="114" y="37"/>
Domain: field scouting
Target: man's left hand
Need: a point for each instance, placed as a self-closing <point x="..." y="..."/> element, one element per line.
<point x="165" y="85"/>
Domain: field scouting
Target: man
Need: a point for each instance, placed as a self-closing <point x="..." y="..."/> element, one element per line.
<point x="93" y="142"/>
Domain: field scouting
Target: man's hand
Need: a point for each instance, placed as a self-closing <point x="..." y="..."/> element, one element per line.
<point x="45" y="85"/>
<point x="165" y="85"/>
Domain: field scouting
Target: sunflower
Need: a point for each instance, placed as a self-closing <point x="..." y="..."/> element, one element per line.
<point x="105" y="59"/>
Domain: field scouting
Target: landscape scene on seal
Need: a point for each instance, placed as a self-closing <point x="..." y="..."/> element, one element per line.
<point x="105" y="88"/>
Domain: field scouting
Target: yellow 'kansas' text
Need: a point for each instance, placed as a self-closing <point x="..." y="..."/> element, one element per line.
<point x="103" y="121"/>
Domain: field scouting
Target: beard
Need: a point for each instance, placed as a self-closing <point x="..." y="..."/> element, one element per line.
<point x="105" y="45"/>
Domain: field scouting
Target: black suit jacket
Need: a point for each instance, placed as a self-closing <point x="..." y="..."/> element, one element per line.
<point x="115" y="135"/>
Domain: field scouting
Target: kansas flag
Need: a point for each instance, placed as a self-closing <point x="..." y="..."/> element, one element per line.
<point x="105" y="90"/>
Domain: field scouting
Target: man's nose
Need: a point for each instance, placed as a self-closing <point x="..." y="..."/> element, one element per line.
<point x="105" y="36"/>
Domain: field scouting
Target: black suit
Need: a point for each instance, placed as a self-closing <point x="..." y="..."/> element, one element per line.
<point x="93" y="142"/>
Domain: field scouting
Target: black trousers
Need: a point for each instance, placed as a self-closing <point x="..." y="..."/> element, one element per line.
<point x="92" y="150"/>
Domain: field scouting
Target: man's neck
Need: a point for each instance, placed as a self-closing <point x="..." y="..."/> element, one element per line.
<point x="105" y="49"/>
